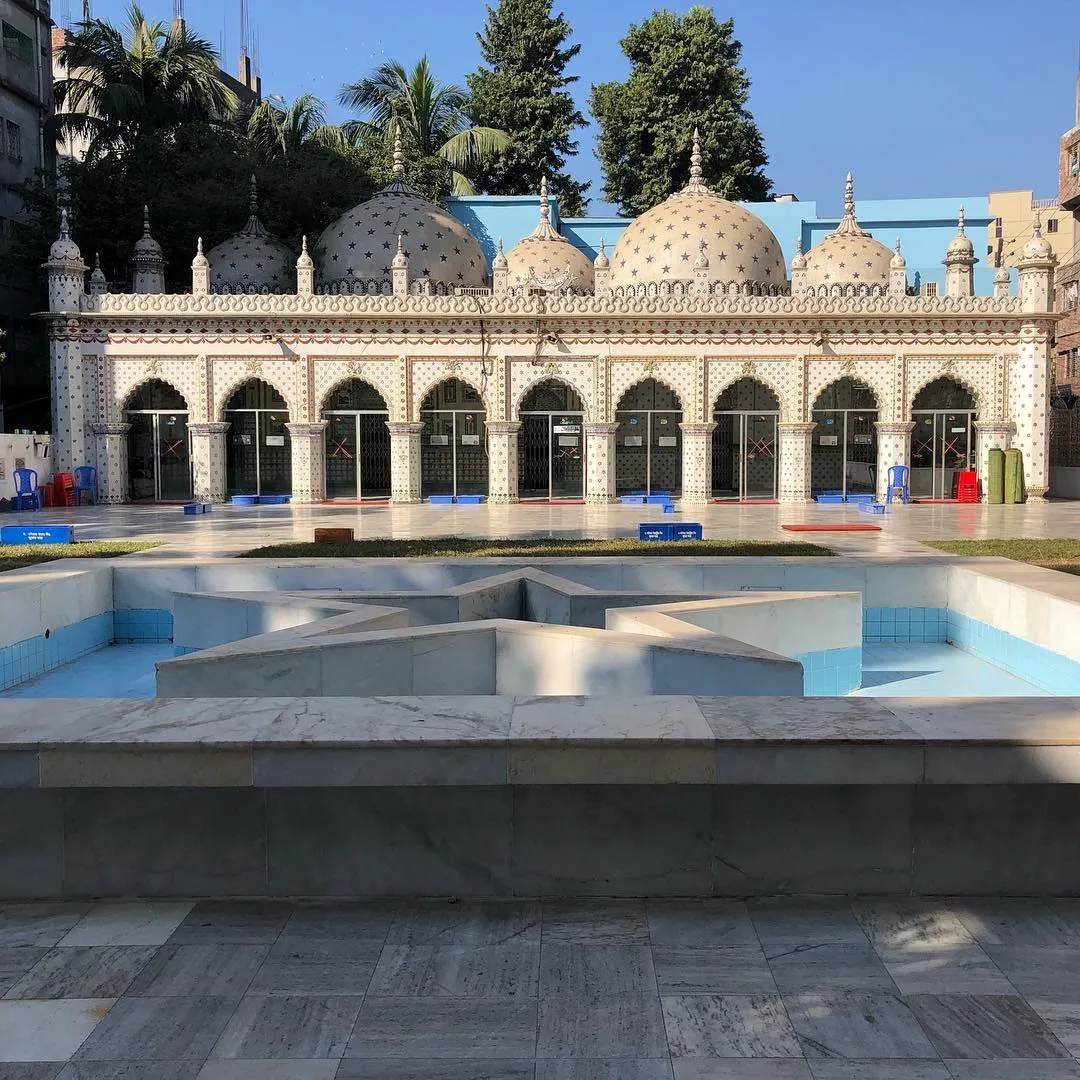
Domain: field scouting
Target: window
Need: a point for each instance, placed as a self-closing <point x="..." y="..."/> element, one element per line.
<point x="1071" y="292"/>
<point x="1051" y="224"/>
<point x="929" y="288"/>
<point x="14" y="141"/>
<point x="1072" y="363"/>
<point x="1074" y="163"/>
<point x="17" y="46"/>
<point x="997" y="228"/>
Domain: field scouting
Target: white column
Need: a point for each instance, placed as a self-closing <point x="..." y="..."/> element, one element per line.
<point x="697" y="463"/>
<point x="404" y="461"/>
<point x="795" y="440"/>
<point x="600" y="462"/>
<point x="112" y="462"/>
<point x="208" y="461"/>
<point x="893" y="448"/>
<point x="502" y="440"/>
<point x="1028" y="407"/>
<point x="308" y="462"/>
<point x="69" y="444"/>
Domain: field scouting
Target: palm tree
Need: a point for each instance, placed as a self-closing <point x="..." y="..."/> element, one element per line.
<point x="124" y="83"/>
<point x="431" y="116"/>
<point x="279" y="133"/>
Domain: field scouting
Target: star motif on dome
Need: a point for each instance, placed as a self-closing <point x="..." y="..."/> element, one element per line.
<point x="722" y="256"/>
<point x="352" y="244"/>
<point x="686" y="256"/>
<point x="666" y="269"/>
<point x="670" y="226"/>
<point x="368" y="255"/>
<point x="371" y="232"/>
<point x="855" y="275"/>
<point x="841" y="266"/>
<point x="423" y="247"/>
<point x="386" y="269"/>
<point x="388" y="223"/>
<point x="738" y="246"/>
<point x="457" y="251"/>
<point x="741" y="269"/>
<point x="438" y="236"/>
<point x="442" y="258"/>
<point x="426" y="272"/>
<point x="686" y="236"/>
<point x="334" y="257"/>
<point x="460" y="276"/>
<point x="386" y="245"/>
<point x="648" y="258"/>
<point x="652" y="238"/>
<point x="828" y="276"/>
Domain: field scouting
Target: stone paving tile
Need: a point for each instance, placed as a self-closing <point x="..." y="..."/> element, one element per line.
<point x="289" y="1027"/>
<point x="269" y="1070"/>
<point x="444" y="1028"/>
<point x="856" y="1025"/>
<point x="602" y="1026"/>
<point x="492" y="923"/>
<point x="199" y="971"/>
<point x="40" y="924"/>
<point x="700" y="922"/>
<point x="965" y="969"/>
<point x="16" y="961"/>
<point x="603" y="1069"/>
<point x="739" y="969"/>
<point x="732" y="1025"/>
<point x="30" y="1070"/>
<point x="795" y="921"/>
<point x="435" y="1069"/>
<point x="879" y="1069"/>
<point x="1049" y="974"/>
<point x="78" y="972"/>
<point x="232" y="923"/>
<point x="485" y="971"/>
<point x="595" y="922"/>
<point x="742" y="1069"/>
<point x="1029" y="923"/>
<point x="316" y="966"/>
<point x="827" y="967"/>
<point x="984" y="1026"/>
<point x="360" y="921"/>
<point x="128" y="922"/>
<point x="1041" y="1069"/>
<point x="596" y="969"/>
<point x="1063" y="1019"/>
<point x="159" y="1029"/>
<point x="130" y="1070"/>
<point x="48" y="1030"/>
<point x="910" y="924"/>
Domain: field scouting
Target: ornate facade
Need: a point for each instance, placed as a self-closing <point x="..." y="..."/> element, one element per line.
<point x="686" y="362"/>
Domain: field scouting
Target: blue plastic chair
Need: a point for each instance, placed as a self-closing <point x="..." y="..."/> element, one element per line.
<point x="898" y="482"/>
<point x="85" y="477"/>
<point x="26" y="488"/>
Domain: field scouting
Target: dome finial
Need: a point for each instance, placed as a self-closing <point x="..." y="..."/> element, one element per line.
<point x="960" y="222"/>
<point x="304" y="261"/>
<point x="253" y="195"/>
<point x="65" y="228"/>
<point x="399" y="156"/>
<point x="200" y="259"/>
<point x="695" y="161"/>
<point x="145" y="220"/>
<point x="1038" y="223"/>
<point x="545" y="206"/>
<point x="849" y="196"/>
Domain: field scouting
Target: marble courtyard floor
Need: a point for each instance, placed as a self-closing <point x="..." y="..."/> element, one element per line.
<point x="785" y="989"/>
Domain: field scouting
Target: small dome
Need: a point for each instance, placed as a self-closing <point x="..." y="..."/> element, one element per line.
<point x="1002" y="275"/>
<point x="960" y="246"/>
<point x="400" y="262"/>
<point x="64" y="249"/>
<point x="602" y="262"/>
<point x="146" y="246"/>
<point x="545" y="260"/>
<point x="701" y="260"/>
<point x="304" y="262"/>
<point x="798" y="260"/>
<point x="252" y="260"/>
<point x="499" y="262"/>
<point x="1038" y="248"/>
<point x="97" y="278"/>
<point x="898" y="262"/>
<point x="660" y="246"/>
<point x="358" y="248"/>
<point x="200" y="262"/>
<point x="849" y="255"/>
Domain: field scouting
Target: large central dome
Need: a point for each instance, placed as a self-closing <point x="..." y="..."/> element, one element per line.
<point x="356" y="252"/>
<point x="664" y="244"/>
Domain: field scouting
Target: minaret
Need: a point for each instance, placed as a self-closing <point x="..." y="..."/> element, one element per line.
<point x="500" y="272"/>
<point x="305" y="272"/>
<point x="1002" y="282"/>
<point x="98" y="282"/>
<point x="66" y="270"/>
<point x="898" y="273"/>
<point x="148" y="261"/>
<point x="602" y="271"/>
<point x="798" y="269"/>
<point x="1036" y="271"/>
<point x="200" y="272"/>
<point x="960" y="262"/>
<point x="700" y="270"/>
<point x="400" y="270"/>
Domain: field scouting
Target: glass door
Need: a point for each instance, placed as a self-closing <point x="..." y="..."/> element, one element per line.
<point x="844" y="451"/>
<point x="551" y="461"/>
<point x="259" y="459"/>
<point x="941" y="446"/>
<point x="453" y="454"/>
<point x="759" y="460"/>
<point x="860" y="453"/>
<point x="534" y="456"/>
<point x="357" y="455"/>
<point x="159" y="457"/>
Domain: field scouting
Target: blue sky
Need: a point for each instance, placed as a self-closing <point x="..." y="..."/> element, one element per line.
<point x="941" y="99"/>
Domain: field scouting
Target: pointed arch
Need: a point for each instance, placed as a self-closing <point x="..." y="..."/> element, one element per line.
<point x="224" y="396"/>
<point x="126" y="401"/>
<point x="943" y="379"/>
<point x="340" y="384"/>
<point x="542" y="378"/>
<point x="737" y="377"/>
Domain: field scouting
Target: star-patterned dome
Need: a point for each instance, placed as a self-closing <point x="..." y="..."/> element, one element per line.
<point x="849" y="255"/>
<point x="660" y="246"/>
<point x="545" y="260"/>
<point x="252" y="260"/>
<point x="358" y="249"/>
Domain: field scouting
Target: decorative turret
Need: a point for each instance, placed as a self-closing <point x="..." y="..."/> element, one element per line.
<point x="700" y="270"/>
<point x="500" y="272"/>
<point x="99" y="284"/>
<point x="400" y="269"/>
<point x="66" y="270"/>
<point x="960" y="262"/>
<point x="305" y="271"/>
<point x="798" y="269"/>
<point x="200" y="272"/>
<point x="898" y="272"/>
<point x="147" y="261"/>
<point x="1002" y="282"/>
<point x="602" y="271"/>
<point x="1036" y="272"/>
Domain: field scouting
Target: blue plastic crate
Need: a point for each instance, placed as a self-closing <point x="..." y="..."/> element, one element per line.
<point x="657" y="500"/>
<point x="659" y="531"/>
<point x="37" y="534"/>
<point x="872" y="508"/>
<point x="687" y="530"/>
<point x="274" y="500"/>
<point x="830" y="498"/>
<point x="193" y="508"/>
<point x="245" y="500"/>
<point x="668" y="508"/>
<point x="861" y="498"/>
<point x="441" y="500"/>
<point x="632" y="500"/>
<point x="470" y="500"/>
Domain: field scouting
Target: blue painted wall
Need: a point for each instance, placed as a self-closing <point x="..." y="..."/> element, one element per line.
<point x="924" y="226"/>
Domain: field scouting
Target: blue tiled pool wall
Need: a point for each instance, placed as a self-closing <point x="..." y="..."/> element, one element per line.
<point x="27" y="659"/>
<point x="901" y="625"/>
<point x="831" y="671"/>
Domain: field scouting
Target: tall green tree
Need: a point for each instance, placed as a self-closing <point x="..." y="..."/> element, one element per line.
<point x="277" y="133"/>
<point x="522" y="91"/>
<point x="684" y="73"/>
<point x="430" y="115"/>
<point x="141" y="79"/>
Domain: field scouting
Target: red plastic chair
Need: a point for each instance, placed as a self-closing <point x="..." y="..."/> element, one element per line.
<point x="967" y="486"/>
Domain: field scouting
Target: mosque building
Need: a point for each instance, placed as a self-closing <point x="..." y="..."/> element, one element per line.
<point x="390" y="361"/>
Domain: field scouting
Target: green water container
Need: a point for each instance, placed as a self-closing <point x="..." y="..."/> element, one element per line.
<point x="995" y="483"/>
<point x="1014" y="477"/>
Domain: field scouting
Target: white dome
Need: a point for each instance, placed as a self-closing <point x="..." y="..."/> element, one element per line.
<point x="960" y="246"/>
<point x="849" y="255"/>
<point x="252" y="260"/>
<point x="146" y="247"/>
<point x="545" y="260"/>
<point x="660" y="246"/>
<point x="64" y="249"/>
<point x="357" y="250"/>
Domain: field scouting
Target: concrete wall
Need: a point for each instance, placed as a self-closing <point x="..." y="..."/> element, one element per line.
<point x="23" y="451"/>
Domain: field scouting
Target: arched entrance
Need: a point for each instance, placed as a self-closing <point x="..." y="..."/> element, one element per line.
<point x="844" y="450"/>
<point x="943" y="439"/>
<point x="551" y="443"/>
<point x="259" y="458"/>
<point x="744" y="458"/>
<point x="453" y="447"/>
<point x="357" y="442"/>
<point x="159" y="448"/>
<point x="648" y="454"/>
